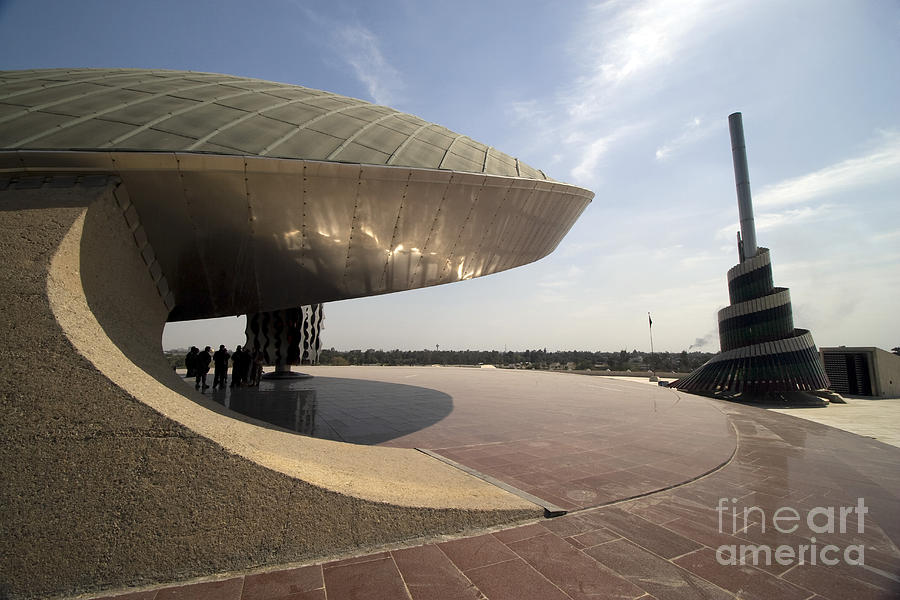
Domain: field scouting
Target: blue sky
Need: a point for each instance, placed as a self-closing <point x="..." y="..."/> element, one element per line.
<point x="627" y="98"/>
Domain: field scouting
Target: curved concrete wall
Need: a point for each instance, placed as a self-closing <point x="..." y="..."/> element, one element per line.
<point x="113" y="476"/>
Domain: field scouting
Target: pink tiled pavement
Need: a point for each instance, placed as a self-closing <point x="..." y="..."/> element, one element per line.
<point x="571" y="440"/>
<point x="661" y="545"/>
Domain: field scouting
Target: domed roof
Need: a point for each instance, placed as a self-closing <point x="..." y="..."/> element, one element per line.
<point x="185" y="111"/>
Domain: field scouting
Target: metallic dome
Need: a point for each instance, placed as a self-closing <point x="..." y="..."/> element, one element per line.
<point x="144" y="109"/>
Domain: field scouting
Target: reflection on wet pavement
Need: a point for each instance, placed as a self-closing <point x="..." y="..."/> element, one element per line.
<point x="291" y="409"/>
<point x="334" y="408"/>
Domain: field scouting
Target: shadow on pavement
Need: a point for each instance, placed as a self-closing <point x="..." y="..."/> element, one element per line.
<point x="346" y="410"/>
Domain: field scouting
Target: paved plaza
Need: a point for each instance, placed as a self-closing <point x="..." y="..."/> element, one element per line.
<point x="877" y="418"/>
<point x="654" y="481"/>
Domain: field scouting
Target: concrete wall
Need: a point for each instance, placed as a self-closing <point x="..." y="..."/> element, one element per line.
<point x="647" y="374"/>
<point x="887" y="373"/>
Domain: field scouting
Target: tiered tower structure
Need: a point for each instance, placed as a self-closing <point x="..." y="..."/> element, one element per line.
<point x="761" y="351"/>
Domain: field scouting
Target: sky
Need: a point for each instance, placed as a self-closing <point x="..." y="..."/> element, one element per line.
<point x="629" y="99"/>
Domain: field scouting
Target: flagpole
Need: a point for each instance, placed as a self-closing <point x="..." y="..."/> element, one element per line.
<point x="653" y="376"/>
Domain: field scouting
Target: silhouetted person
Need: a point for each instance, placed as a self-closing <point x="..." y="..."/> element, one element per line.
<point x="203" y="360"/>
<point x="246" y="364"/>
<point x="256" y="367"/>
<point x="190" y="362"/>
<point x="239" y="367"/>
<point x="220" y="359"/>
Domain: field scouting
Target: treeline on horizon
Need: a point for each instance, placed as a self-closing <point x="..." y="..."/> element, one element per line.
<point x="622" y="360"/>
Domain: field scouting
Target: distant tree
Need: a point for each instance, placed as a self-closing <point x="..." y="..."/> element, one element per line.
<point x="175" y="358"/>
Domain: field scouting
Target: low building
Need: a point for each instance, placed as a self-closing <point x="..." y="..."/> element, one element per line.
<point x="862" y="371"/>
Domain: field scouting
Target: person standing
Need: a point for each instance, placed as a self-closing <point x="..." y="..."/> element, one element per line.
<point x="256" y="368"/>
<point x="202" y="365"/>
<point x="238" y="368"/>
<point x="246" y="365"/>
<point x="190" y="362"/>
<point x="220" y="359"/>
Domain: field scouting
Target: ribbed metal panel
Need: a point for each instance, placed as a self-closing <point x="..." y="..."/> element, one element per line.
<point x="144" y="109"/>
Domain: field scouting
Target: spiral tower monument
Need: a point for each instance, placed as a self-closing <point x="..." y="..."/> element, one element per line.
<point x="761" y="351"/>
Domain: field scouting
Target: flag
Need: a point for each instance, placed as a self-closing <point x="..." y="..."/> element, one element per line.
<point x="650" y="319"/>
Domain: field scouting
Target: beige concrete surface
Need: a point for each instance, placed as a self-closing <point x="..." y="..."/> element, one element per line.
<point x="877" y="418"/>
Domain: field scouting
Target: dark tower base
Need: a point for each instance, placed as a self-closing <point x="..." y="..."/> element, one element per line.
<point x="278" y="375"/>
<point x="286" y="337"/>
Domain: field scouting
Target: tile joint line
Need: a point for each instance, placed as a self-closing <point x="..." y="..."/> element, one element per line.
<point x="550" y="509"/>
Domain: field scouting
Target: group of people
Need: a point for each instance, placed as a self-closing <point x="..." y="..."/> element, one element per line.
<point x="246" y="367"/>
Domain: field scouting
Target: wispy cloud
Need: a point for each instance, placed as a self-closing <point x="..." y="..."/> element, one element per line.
<point x="529" y="111"/>
<point x="623" y="51"/>
<point x="565" y="279"/>
<point x="879" y="165"/>
<point x="361" y="49"/>
<point x="791" y="216"/>
<point x="592" y="151"/>
<point x="695" y="130"/>
<point x="626" y="42"/>
<point x="358" y="47"/>
<point x="585" y="171"/>
<point x="887" y="235"/>
<point x="691" y="261"/>
<point x="556" y="289"/>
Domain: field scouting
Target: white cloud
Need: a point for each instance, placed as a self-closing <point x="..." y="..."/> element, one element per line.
<point x="360" y="48"/>
<point x="585" y="172"/>
<point x="528" y="112"/>
<point x="695" y="130"/>
<point x="692" y="261"/>
<point x="880" y="165"/>
<point x="567" y="278"/>
<point x="887" y="235"/>
<point x="791" y="216"/>
<point x="556" y="289"/>
<point x="624" y="52"/>
<point x="626" y="42"/>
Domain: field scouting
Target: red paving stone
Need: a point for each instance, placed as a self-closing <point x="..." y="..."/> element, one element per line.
<point x="430" y="575"/>
<point x="661" y="545"/>
<point x="654" y="574"/>
<point x="514" y="580"/>
<point x="265" y="586"/>
<point x="479" y="551"/>
<point x="572" y="571"/>
<point x="229" y="589"/>
<point x="146" y="595"/>
<point x="371" y="580"/>
<point x="751" y="583"/>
